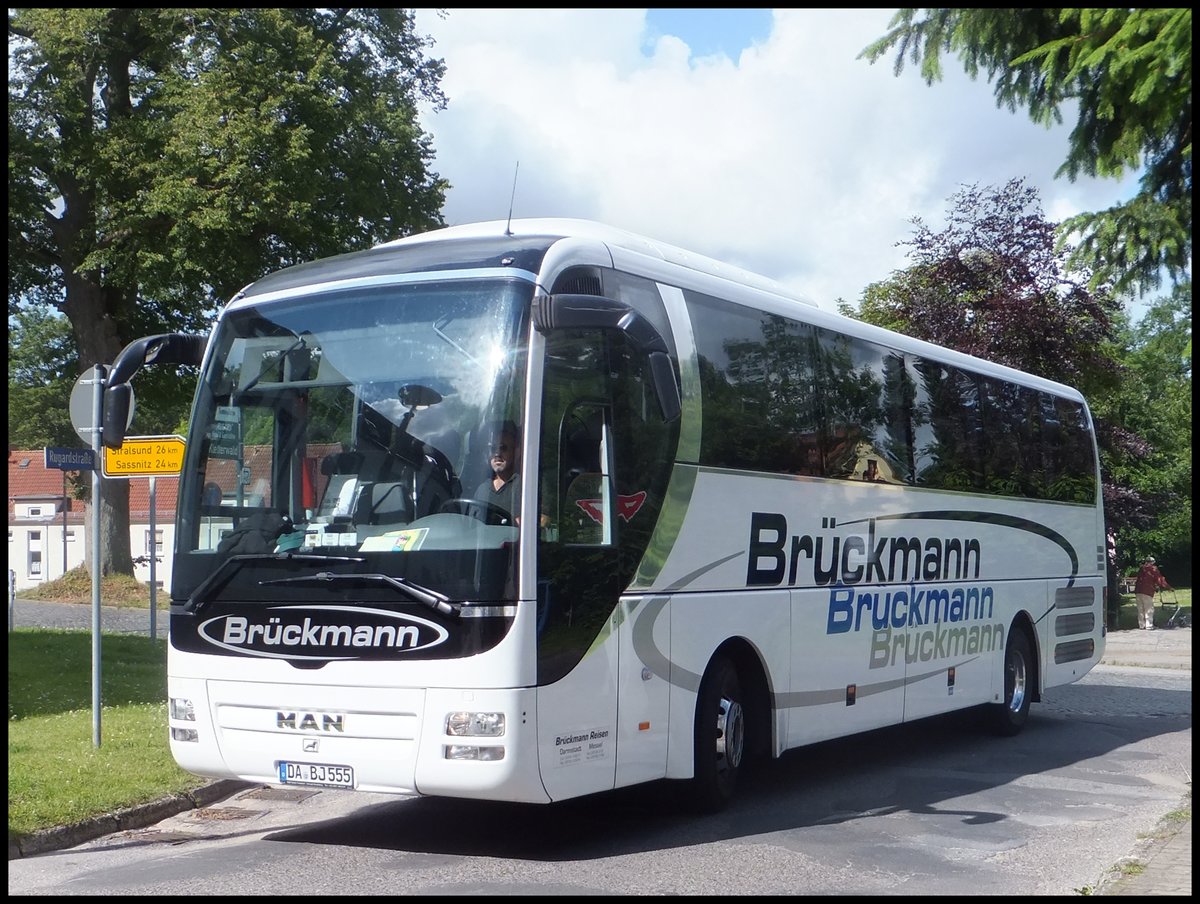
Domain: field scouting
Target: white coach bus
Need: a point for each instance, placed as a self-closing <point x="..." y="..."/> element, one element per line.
<point x="756" y="524"/>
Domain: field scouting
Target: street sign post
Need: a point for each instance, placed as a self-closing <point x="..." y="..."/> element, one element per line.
<point x="144" y="456"/>
<point x="70" y="459"/>
<point x="86" y="408"/>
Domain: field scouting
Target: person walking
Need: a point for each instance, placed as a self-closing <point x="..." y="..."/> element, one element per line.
<point x="1148" y="582"/>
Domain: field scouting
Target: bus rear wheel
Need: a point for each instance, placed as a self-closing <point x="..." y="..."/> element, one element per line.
<point x="719" y="737"/>
<point x="1009" y="717"/>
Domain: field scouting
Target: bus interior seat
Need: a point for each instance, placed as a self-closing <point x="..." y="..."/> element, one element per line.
<point x="476" y="460"/>
<point x="448" y="442"/>
<point x="582" y="433"/>
<point x="383" y="502"/>
<point x="363" y="470"/>
<point x="341" y="463"/>
<point x="340" y="469"/>
<point x="437" y="476"/>
<point x="582" y="516"/>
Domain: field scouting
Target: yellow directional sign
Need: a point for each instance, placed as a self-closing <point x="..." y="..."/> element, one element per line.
<point x="145" y="456"/>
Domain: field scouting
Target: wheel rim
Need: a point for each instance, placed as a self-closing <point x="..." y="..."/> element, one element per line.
<point x="731" y="732"/>
<point x="1017" y="677"/>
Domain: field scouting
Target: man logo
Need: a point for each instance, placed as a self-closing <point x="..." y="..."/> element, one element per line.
<point x="310" y="745"/>
<point x="310" y="722"/>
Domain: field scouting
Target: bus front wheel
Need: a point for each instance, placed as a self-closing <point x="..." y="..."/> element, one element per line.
<point x="1010" y="717"/>
<point x="720" y="737"/>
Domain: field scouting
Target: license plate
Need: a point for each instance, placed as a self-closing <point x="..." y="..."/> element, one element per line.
<point x="316" y="774"/>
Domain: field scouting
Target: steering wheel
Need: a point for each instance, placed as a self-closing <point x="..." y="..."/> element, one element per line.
<point x="487" y="512"/>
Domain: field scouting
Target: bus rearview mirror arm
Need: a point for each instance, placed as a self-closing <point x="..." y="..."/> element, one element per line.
<point x="164" y="348"/>
<point x="562" y="312"/>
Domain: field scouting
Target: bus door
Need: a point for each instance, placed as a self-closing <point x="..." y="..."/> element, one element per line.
<point x="578" y="580"/>
<point x="605" y="455"/>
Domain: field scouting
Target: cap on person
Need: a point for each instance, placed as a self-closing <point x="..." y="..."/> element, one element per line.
<point x="1150" y="559"/>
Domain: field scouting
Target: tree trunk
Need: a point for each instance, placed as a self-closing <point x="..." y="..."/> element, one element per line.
<point x="87" y="306"/>
<point x="115" y="556"/>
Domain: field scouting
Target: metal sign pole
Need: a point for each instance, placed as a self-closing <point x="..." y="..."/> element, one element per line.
<point x="153" y="558"/>
<point x="66" y="505"/>
<point x="97" y="550"/>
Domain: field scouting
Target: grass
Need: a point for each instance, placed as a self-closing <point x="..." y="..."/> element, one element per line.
<point x="121" y="591"/>
<point x="56" y="774"/>
<point x="1127" y="616"/>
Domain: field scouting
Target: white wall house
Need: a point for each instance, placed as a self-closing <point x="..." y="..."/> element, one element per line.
<point x="42" y="547"/>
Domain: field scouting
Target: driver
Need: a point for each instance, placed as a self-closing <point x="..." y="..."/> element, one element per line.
<point x="503" y="488"/>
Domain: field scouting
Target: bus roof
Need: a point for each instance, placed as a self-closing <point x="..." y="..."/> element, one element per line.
<point x="566" y="227"/>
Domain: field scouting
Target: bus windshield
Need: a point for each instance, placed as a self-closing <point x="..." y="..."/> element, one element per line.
<point x="345" y="432"/>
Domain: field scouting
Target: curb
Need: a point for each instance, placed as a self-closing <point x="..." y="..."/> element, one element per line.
<point x="136" y="817"/>
<point x="1164" y="861"/>
<point x="1133" y="663"/>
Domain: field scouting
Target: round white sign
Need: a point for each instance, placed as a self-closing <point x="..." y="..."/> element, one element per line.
<point x="83" y="405"/>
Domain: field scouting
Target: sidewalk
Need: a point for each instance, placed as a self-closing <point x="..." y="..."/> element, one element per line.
<point x="1166" y="860"/>
<point x="1162" y="648"/>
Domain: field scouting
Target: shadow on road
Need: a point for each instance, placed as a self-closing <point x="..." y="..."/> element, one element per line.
<point x="915" y="768"/>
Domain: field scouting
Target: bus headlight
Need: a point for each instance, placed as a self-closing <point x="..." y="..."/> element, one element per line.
<point x="182" y="710"/>
<point x="185" y="734"/>
<point x="475" y="725"/>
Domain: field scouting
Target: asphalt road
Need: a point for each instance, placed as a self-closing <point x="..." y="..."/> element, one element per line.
<point x="37" y="614"/>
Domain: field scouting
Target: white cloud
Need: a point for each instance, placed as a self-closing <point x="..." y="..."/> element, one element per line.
<point x="796" y="159"/>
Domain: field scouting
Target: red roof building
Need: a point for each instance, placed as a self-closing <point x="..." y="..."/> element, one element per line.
<point x="42" y="544"/>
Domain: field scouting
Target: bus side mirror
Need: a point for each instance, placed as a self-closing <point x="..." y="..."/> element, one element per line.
<point x="115" y="416"/>
<point x="561" y="312"/>
<point x="165" y="348"/>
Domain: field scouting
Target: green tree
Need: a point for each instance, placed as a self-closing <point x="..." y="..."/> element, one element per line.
<point x="160" y="159"/>
<point x="1128" y="73"/>
<point x="992" y="284"/>
<point x="1154" y="403"/>
<point x="41" y="372"/>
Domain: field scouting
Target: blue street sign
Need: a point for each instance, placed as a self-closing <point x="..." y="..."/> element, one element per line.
<point x="70" y="459"/>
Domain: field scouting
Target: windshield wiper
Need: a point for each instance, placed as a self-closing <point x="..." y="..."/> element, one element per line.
<point x="424" y="595"/>
<point x="194" y="602"/>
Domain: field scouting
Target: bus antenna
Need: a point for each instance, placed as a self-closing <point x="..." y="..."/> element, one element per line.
<point x="508" y="225"/>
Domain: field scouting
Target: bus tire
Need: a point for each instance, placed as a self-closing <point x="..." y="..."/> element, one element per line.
<point x="719" y="737"/>
<point x="1009" y="717"/>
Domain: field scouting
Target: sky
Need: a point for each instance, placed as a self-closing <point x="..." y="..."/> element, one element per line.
<point x="753" y="136"/>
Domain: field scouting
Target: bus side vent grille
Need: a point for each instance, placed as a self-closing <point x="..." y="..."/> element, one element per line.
<point x="576" y="283"/>
<point x="1074" y="597"/>
<point x="1083" y="623"/>
<point x="1073" y="651"/>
